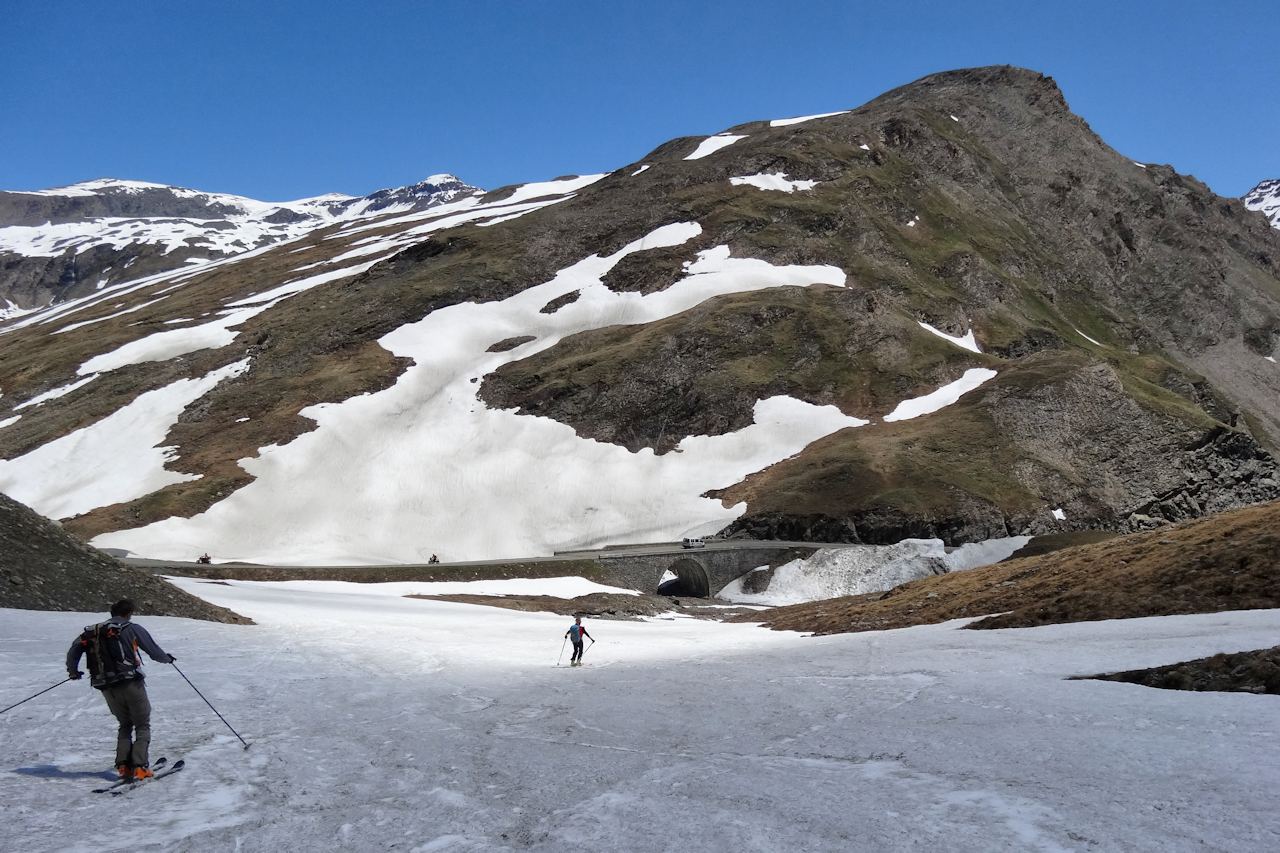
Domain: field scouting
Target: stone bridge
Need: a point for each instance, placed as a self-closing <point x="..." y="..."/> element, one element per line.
<point x="701" y="572"/>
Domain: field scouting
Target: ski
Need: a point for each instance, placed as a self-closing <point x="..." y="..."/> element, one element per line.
<point x="168" y="771"/>
<point x="120" y="783"/>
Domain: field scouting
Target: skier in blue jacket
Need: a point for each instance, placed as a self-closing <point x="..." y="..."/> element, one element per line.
<point x="575" y="634"/>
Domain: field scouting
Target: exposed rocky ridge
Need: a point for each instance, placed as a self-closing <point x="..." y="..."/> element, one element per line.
<point x="115" y="230"/>
<point x="1242" y="672"/>
<point x="1012" y="219"/>
<point x="44" y="568"/>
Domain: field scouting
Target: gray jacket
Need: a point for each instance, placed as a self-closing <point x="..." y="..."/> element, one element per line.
<point x="130" y="638"/>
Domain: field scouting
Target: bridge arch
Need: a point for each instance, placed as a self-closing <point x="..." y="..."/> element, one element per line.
<point x="691" y="579"/>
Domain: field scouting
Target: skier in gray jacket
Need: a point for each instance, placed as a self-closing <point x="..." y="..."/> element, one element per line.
<point x="115" y="668"/>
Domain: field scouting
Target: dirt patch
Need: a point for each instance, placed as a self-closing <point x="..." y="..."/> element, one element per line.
<point x="1229" y="561"/>
<point x="1242" y="672"/>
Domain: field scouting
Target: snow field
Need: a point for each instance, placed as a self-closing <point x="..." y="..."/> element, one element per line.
<point x="386" y="723"/>
<point x="528" y="485"/>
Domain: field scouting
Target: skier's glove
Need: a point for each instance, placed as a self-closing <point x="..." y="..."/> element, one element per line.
<point x="172" y="658"/>
<point x="76" y="675"/>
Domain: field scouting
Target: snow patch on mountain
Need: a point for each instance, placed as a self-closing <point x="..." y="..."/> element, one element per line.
<point x="967" y="341"/>
<point x="943" y="397"/>
<point x="712" y="144"/>
<point x="776" y="181"/>
<point x="114" y="460"/>
<point x="784" y="122"/>
<point x="391" y="486"/>
<point x="560" y="186"/>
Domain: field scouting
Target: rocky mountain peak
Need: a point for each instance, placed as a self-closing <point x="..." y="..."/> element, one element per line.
<point x="1265" y="197"/>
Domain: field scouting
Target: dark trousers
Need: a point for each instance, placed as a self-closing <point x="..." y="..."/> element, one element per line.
<point x="132" y="709"/>
<point x="577" y="651"/>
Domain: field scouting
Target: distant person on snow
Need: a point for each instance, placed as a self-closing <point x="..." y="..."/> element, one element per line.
<point x="204" y="559"/>
<point x="575" y="634"/>
<point x="115" y="668"/>
<point x="434" y="559"/>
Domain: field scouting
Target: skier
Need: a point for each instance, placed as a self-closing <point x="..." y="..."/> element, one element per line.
<point x="115" y="668"/>
<point x="575" y="634"/>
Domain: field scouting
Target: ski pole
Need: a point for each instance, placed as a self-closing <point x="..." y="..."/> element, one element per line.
<point x="210" y="704"/>
<point x="584" y="651"/>
<point x="42" y="692"/>
<point x="561" y="655"/>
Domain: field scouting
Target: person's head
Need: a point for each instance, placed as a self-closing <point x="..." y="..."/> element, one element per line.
<point x="578" y="620"/>
<point x="122" y="609"/>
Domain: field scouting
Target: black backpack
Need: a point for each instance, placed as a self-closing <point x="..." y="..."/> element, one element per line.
<point x="111" y="659"/>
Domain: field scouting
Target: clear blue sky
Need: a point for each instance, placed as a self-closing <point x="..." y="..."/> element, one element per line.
<point x="279" y="100"/>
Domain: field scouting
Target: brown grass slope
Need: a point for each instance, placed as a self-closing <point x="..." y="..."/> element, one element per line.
<point x="44" y="568"/>
<point x="1229" y="561"/>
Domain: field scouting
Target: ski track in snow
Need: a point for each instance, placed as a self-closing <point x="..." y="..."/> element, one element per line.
<point x="529" y="484"/>
<point x="380" y="723"/>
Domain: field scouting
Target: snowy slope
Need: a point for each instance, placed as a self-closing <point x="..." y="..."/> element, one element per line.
<point x="383" y="723"/>
<point x="1266" y="198"/>
<point x="412" y="436"/>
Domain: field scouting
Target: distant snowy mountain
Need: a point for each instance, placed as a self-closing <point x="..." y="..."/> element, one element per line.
<point x="65" y="242"/>
<point x="1266" y="198"/>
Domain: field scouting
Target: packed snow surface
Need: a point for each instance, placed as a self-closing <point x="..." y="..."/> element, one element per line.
<point x="384" y="723"/>
<point x="379" y="480"/>
<point x="776" y="181"/>
<point x="943" y="397"/>
<point x="712" y="144"/>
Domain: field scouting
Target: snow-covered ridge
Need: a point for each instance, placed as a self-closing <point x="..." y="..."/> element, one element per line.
<point x="1266" y="198"/>
<point x="108" y="212"/>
